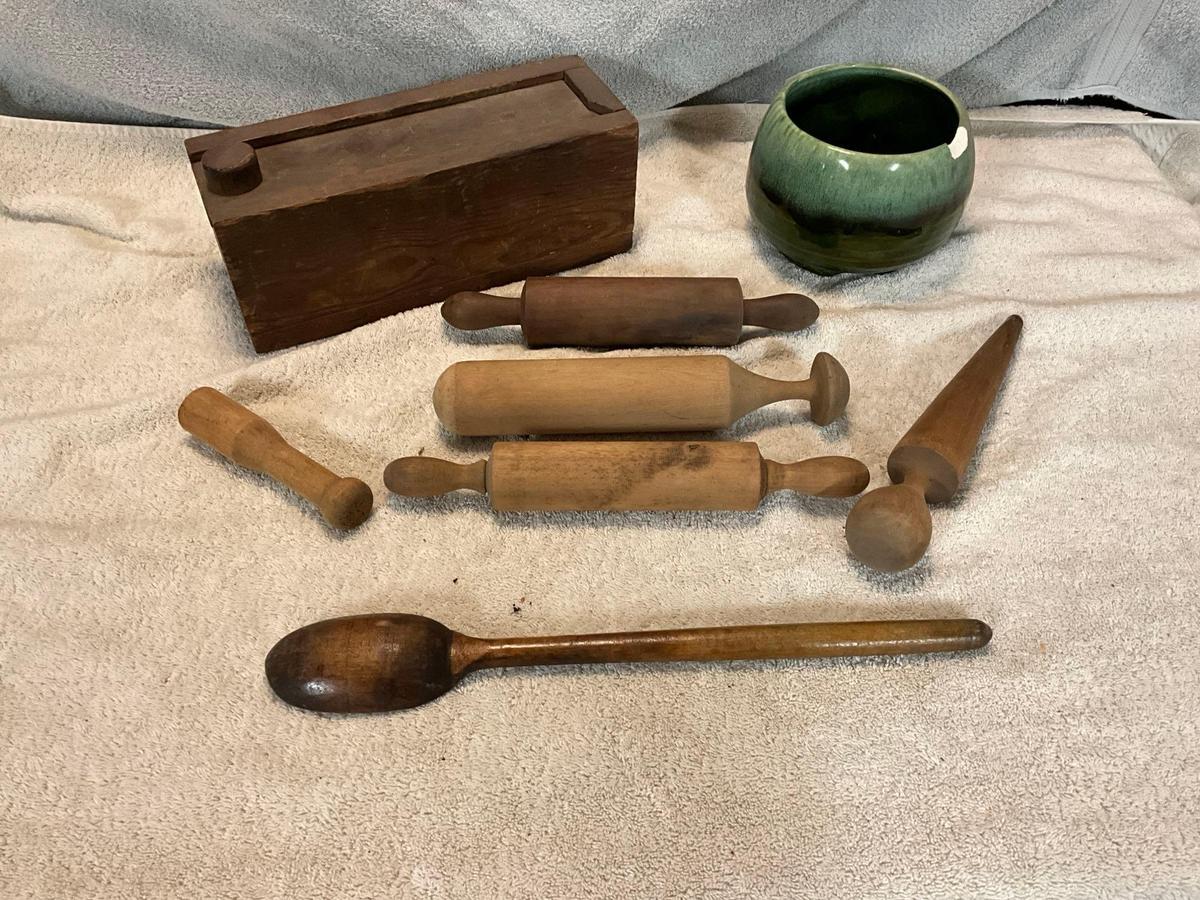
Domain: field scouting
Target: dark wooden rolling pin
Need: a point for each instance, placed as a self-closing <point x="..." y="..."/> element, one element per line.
<point x="889" y="529"/>
<point x="537" y="476"/>
<point x="629" y="394"/>
<point x="250" y="440"/>
<point x="630" y="312"/>
<point x="377" y="663"/>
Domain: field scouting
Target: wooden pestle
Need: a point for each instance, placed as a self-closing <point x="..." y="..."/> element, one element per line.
<point x="537" y="476"/>
<point x="603" y="395"/>
<point x="630" y="312"/>
<point x="377" y="663"/>
<point x="250" y="440"/>
<point x="890" y="528"/>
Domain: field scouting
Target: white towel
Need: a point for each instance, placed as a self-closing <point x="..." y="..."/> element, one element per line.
<point x="143" y="578"/>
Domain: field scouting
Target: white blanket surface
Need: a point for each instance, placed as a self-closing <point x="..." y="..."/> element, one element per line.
<point x="143" y="578"/>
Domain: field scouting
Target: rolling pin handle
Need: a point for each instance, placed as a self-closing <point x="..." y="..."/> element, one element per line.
<point x="827" y="390"/>
<point x="780" y="312"/>
<point x="821" y="476"/>
<point x="426" y="476"/>
<point x="473" y="311"/>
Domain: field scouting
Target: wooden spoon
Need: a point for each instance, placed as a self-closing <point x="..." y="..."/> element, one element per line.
<point x="376" y="663"/>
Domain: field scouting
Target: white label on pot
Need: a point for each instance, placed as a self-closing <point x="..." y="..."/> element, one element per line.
<point x="959" y="145"/>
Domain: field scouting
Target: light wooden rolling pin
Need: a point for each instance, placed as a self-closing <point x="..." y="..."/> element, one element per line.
<point x="251" y="441"/>
<point x="630" y="312"/>
<point x="612" y="396"/>
<point x="536" y="476"/>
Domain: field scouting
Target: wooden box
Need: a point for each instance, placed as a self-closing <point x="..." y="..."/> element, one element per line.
<point x="334" y="218"/>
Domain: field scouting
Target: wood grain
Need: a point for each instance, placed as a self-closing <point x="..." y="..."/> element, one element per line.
<point x="370" y="208"/>
<point x="389" y="661"/>
<point x="548" y="476"/>
<point x="663" y="393"/>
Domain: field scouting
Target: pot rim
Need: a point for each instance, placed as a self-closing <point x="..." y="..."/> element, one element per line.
<point x="963" y="125"/>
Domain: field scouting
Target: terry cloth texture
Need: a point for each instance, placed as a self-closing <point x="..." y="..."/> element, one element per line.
<point x="195" y="61"/>
<point x="143" y="578"/>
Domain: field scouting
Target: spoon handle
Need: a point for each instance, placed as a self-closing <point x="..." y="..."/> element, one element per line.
<point x="882" y="638"/>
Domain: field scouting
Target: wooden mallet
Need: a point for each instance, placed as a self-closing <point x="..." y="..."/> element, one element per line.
<point x="536" y="476"/>
<point x="630" y="312"/>
<point x="889" y="529"/>
<point x="623" y="394"/>
<point x="249" y="440"/>
<point x="377" y="663"/>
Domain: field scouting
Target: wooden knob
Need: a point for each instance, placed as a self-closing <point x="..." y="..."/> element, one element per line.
<point x="473" y="311"/>
<point x="425" y="476"/>
<point x="231" y="168"/>
<point x="250" y="440"/>
<point x="889" y="529"/>
<point x="345" y="503"/>
<point x="831" y="389"/>
<point x="780" y="312"/>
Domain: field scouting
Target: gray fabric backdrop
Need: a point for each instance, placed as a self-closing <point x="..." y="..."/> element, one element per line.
<point x="225" y="62"/>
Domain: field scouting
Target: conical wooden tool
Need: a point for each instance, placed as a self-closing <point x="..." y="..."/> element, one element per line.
<point x="378" y="663"/>
<point x="537" y="476"/>
<point x="889" y="529"/>
<point x="630" y="312"/>
<point x="630" y="394"/>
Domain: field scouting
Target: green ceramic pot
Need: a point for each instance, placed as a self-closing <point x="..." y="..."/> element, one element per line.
<point x="860" y="168"/>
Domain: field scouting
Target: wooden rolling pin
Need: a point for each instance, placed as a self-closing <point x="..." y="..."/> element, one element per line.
<point x="630" y="312"/>
<point x="539" y="476"/>
<point x="377" y="663"/>
<point x="889" y="529"/>
<point x="659" y="393"/>
<point x="250" y="440"/>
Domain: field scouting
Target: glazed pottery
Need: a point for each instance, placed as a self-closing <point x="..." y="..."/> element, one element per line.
<point x="860" y="168"/>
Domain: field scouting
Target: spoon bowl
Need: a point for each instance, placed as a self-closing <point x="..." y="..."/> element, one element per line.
<point x="363" y="663"/>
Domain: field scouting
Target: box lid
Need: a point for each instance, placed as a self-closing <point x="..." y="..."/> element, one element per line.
<point x="386" y="141"/>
